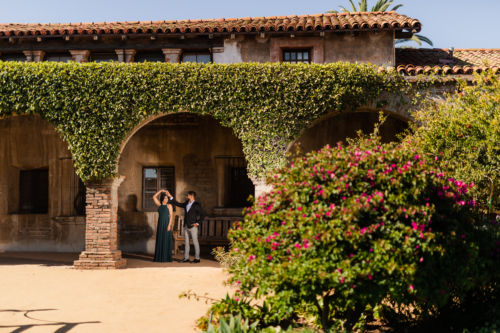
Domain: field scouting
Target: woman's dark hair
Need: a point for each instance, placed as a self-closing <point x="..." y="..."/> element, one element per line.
<point x="193" y="193"/>
<point x="162" y="196"/>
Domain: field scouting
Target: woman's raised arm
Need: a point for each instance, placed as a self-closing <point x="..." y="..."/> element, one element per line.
<point x="155" y="198"/>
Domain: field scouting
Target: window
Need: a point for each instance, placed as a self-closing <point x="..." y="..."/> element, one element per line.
<point x="203" y="57"/>
<point x="235" y="184"/>
<point x="153" y="180"/>
<point x="151" y="56"/>
<point x="103" y="56"/>
<point x="240" y="187"/>
<point x="34" y="191"/>
<point x="13" y="57"/>
<point x="58" y="57"/>
<point x="297" y="56"/>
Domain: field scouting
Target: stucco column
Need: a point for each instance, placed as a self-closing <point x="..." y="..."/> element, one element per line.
<point x="261" y="187"/>
<point x="38" y="56"/>
<point x="101" y="232"/>
<point x="121" y="55"/>
<point x="129" y="55"/>
<point x="29" y="55"/>
<point x="172" y="55"/>
<point x="80" y="55"/>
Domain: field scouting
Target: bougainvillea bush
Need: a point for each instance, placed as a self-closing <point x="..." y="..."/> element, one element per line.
<point x="464" y="131"/>
<point x="346" y="229"/>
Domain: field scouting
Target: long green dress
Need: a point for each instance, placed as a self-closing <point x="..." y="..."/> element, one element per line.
<point x="164" y="240"/>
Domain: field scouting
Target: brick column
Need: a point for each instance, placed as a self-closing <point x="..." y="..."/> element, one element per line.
<point x="172" y="55"/>
<point x="101" y="232"/>
<point x="80" y="55"/>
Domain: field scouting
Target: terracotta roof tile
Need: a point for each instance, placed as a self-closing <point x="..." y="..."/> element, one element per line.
<point x="333" y="21"/>
<point x="447" y="61"/>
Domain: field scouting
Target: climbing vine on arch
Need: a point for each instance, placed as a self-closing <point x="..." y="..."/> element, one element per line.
<point x="94" y="106"/>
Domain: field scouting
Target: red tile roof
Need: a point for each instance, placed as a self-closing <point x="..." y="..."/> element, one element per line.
<point x="446" y="61"/>
<point x="334" y="21"/>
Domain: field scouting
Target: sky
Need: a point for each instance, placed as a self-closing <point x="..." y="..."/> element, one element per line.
<point x="448" y="23"/>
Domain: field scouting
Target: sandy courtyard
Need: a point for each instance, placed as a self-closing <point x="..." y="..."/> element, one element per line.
<point x="43" y="293"/>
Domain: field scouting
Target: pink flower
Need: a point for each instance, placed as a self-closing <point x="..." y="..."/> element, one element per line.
<point x="362" y="231"/>
<point x="421" y="260"/>
<point x="238" y="282"/>
<point x="370" y="277"/>
<point x="342" y="280"/>
<point x="251" y="257"/>
<point x="298" y="246"/>
<point x="236" y="299"/>
<point x="411" y="287"/>
<point x="270" y="257"/>
<point x="299" y="208"/>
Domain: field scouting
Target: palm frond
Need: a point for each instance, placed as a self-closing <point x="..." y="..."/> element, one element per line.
<point x="354" y="9"/>
<point x="331" y="11"/>
<point x="396" y="7"/>
<point x="363" y="5"/>
<point x="385" y="6"/>
<point x="380" y="3"/>
<point x="424" y="39"/>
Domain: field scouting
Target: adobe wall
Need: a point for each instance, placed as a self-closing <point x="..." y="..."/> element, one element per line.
<point x="189" y="143"/>
<point x="338" y="127"/>
<point x="28" y="142"/>
<point x="363" y="47"/>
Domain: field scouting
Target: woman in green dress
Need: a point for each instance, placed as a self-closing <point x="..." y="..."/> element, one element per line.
<point x="164" y="240"/>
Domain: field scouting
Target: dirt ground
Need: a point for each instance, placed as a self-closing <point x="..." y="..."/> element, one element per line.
<point x="41" y="292"/>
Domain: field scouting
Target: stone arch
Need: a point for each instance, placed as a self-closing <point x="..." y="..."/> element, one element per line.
<point x="35" y="162"/>
<point x="199" y="151"/>
<point x="337" y="126"/>
<point x="191" y="151"/>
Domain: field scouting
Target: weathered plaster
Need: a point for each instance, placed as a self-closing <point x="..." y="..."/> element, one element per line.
<point x="28" y="142"/>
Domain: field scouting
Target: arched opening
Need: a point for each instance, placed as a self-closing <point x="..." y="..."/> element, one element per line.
<point x="179" y="152"/>
<point x="42" y="200"/>
<point x="336" y="127"/>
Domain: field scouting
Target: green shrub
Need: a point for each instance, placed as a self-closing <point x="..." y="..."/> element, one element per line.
<point x="346" y="228"/>
<point x="95" y="106"/>
<point x="463" y="133"/>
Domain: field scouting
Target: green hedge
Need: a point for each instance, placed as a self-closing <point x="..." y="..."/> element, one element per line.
<point x="94" y="106"/>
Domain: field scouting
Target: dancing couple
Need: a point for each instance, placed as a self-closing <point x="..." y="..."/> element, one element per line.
<point x="194" y="215"/>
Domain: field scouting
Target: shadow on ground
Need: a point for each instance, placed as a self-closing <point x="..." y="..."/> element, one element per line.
<point x="59" y="327"/>
<point x="134" y="260"/>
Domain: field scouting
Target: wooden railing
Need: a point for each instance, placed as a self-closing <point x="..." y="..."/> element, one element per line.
<point x="212" y="231"/>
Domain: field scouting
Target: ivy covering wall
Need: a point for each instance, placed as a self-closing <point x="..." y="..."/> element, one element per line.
<point x="94" y="106"/>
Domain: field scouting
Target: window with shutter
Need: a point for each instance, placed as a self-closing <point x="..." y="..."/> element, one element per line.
<point x="154" y="179"/>
<point x="34" y="191"/>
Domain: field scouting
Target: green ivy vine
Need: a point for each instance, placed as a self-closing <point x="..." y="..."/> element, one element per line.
<point x="94" y="106"/>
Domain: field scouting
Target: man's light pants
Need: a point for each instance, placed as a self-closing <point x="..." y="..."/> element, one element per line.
<point x="194" y="234"/>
